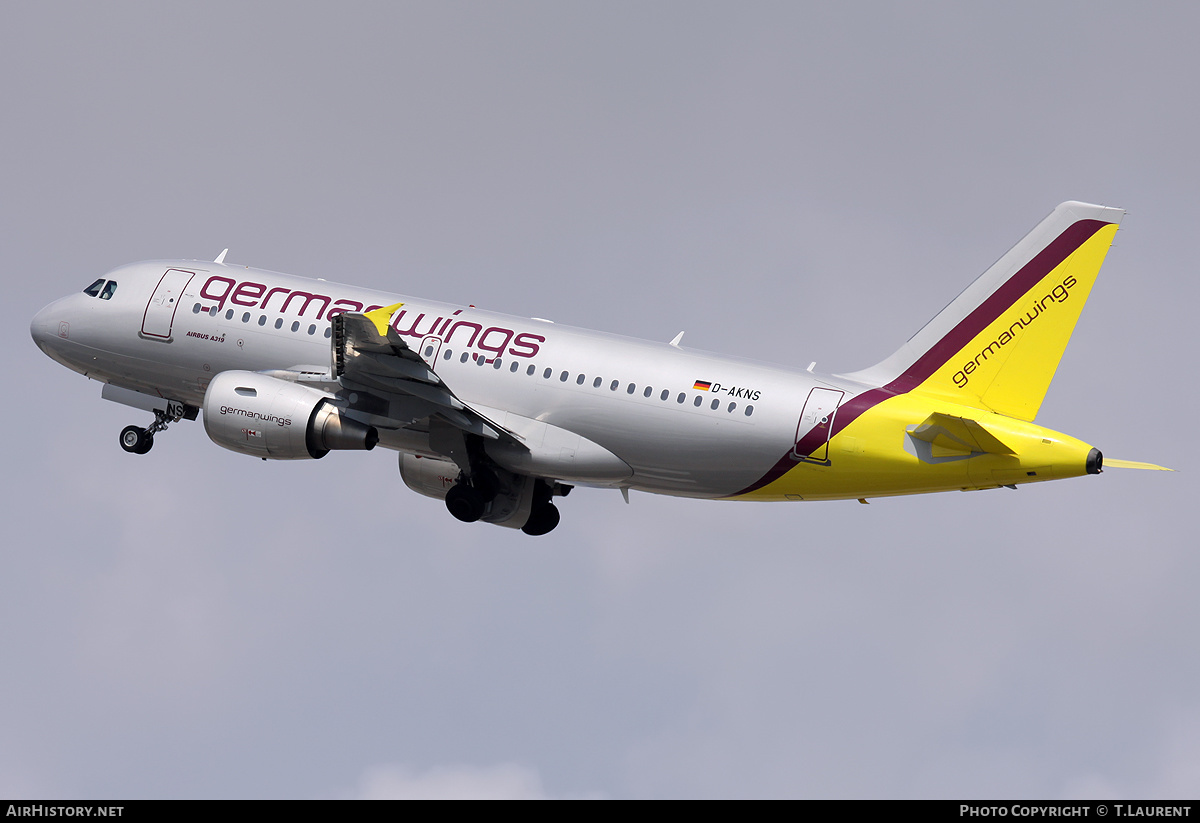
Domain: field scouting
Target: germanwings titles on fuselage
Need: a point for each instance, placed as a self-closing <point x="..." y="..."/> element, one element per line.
<point x="498" y="415"/>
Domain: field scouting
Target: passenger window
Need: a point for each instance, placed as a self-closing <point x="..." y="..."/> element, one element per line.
<point x="497" y="363"/>
<point x="632" y="388"/>
<point x="682" y="396"/>
<point x="246" y="317"/>
<point x="195" y="308"/>
<point x="716" y="404"/>
<point x="513" y="368"/>
<point x="563" y="377"/>
<point x="312" y="329"/>
<point x="448" y="354"/>
<point x="666" y="393"/>
<point x="296" y="326"/>
<point x="596" y="383"/>
<point x="94" y="289"/>
<point x="279" y="323"/>
<point x="463" y="357"/>
<point x="699" y="400"/>
<point x="328" y="331"/>
<point x="529" y="371"/>
<point x="229" y="314"/>
<point x="749" y="410"/>
<point x="579" y="380"/>
<point x="614" y="385"/>
<point x="262" y="320"/>
<point x="211" y="312"/>
<point x="546" y="374"/>
<point x="649" y="391"/>
<point x="732" y="406"/>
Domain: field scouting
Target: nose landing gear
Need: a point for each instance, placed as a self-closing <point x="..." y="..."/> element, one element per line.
<point x="136" y="440"/>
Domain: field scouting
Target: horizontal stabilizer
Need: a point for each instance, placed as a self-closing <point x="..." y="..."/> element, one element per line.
<point x="957" y="436"/>
<point x="1111" y="463"/>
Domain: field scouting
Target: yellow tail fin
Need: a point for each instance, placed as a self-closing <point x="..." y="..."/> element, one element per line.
<point x="998" y="344"/>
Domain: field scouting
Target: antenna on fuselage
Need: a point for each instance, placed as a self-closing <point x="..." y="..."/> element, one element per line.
<point x="678" y="337"/>
<point x="221" y="256"/>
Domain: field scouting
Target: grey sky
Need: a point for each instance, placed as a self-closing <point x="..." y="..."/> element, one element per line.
<point x="785" y="182"/>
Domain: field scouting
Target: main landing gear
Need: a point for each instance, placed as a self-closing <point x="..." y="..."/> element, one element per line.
<point x="468" y="499"/>
<point x="136" y="440"/>
<point x="544" y="516"/>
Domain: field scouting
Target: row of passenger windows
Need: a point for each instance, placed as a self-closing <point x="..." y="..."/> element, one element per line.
<point x="597" y="382"/>
<point x="497" y="363"/>
<point x="262" y="320"/>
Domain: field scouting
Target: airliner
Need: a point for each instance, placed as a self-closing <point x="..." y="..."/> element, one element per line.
<point x="498" y="415"/>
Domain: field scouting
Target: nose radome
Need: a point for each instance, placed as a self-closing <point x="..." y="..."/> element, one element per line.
<point x="49" y="325"/>
<point x="39" y="327"/>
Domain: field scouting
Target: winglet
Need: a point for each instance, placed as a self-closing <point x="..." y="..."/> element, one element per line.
<point x="221" y="256"/>
<point x="382" y="317"/>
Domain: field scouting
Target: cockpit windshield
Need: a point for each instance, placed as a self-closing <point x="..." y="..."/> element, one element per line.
<point x="104" y="289"/>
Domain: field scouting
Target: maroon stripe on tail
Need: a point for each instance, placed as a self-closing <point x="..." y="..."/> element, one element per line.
<point x="999" y="302"/>
<point x="928" y="363"/>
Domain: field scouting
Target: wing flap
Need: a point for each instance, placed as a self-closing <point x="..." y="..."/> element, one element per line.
<point x="368" y="355"/>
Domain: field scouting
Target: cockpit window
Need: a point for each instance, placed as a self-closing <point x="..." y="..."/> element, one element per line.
<point x="110" y="288"/>
<point x="94" y="289"/>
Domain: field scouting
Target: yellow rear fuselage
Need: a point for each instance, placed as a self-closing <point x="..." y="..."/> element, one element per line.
<point x="878" y="454"/>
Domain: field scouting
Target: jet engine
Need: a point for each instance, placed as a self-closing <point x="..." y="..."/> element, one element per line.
<point x="264" y="417"/>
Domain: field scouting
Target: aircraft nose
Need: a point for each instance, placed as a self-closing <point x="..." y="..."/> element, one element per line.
<point x="48" y="327"/>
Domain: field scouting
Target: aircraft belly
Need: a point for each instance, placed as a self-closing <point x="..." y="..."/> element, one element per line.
<point x="672" y="451"/>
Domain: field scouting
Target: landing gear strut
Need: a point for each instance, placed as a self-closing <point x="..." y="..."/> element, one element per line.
<point x="136" y="440"/>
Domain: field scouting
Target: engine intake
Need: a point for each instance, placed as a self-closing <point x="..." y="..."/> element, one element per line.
<point x="264" y="416"/>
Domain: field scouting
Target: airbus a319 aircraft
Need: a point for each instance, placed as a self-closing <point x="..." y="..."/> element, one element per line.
<point x="498" y="415"/>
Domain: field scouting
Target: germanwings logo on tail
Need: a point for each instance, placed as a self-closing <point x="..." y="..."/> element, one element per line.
<point x="1059" y="294"/>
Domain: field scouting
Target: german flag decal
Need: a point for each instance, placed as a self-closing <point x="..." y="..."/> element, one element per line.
<point x="702" y="385"/>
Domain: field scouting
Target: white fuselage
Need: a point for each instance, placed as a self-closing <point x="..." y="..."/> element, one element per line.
<point x="170" y="326"/>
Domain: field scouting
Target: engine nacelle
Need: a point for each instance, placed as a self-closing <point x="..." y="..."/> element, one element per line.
<point x="264" y="416"/>
<point x="430" y="476"/>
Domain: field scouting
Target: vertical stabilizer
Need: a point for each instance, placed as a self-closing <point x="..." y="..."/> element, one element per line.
<point x="998" y="344"/>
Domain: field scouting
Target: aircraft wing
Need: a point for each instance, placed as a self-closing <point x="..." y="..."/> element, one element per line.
<point x="369" y="358"/>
